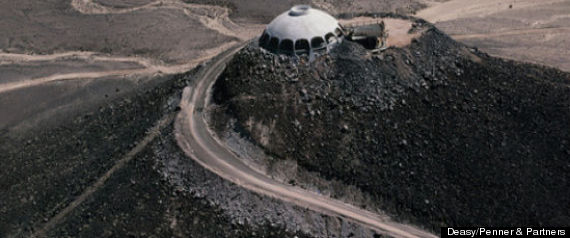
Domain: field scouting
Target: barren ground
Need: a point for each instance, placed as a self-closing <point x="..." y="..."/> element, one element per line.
<point x="81" y="53"/>
<point x="120" y="43"/>
<point x="63" y="58"/>
<point x="526" y="30"/>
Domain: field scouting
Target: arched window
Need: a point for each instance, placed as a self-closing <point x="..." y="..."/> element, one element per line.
<point x="286" y="45"/>
<point x="330" y="38"/>
<point x="317" y="42"/>
<point x="338" y="32"/>
<point x="302" y="46"/>
<point x="264" y="39"/>
<point x="274" y="43"/>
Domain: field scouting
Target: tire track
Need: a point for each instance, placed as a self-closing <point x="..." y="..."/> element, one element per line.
<point x="151" y="67"/>
<point x="151" y="135"/>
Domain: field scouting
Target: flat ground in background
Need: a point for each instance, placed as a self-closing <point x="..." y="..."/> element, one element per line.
<point x="536" y="31"/>
<point x="173" y="36"/>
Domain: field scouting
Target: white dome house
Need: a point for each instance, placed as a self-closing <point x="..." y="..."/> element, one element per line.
<point x="301" y="30"/>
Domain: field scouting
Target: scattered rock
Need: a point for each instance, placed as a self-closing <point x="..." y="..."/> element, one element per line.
<point x="449" y="135"/>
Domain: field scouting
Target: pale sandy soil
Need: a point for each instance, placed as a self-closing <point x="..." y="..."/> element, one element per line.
<point x="397" y="29"/>
<point x="534" y="31"/>
<point x="51" y="45"/>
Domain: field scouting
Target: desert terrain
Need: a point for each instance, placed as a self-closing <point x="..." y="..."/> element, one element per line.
<point x="89" y="90"/>
<point x="524" y="30"/>
<point x="110" y="47"/>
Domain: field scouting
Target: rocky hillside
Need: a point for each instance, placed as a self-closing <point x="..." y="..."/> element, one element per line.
<point x="46" y="169"/>
<point x="438" y="133"/>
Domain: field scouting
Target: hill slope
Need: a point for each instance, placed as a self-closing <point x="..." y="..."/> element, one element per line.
<point x="437" y="133"/>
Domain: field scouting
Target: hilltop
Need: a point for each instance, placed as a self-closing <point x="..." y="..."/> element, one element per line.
<point x="435" y="132"/>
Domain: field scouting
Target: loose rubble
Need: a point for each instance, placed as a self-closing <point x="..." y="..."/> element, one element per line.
<point x="438" y="133"/>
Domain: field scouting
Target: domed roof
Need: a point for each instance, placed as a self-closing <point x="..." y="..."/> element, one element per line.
<point x="301" y="30"/>
<point x="302" y="22"/>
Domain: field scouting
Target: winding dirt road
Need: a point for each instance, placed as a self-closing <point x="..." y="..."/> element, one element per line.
<point x="199" y="143"/>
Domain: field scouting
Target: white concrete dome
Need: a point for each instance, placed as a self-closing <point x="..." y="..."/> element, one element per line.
<point x="301" y="30"/>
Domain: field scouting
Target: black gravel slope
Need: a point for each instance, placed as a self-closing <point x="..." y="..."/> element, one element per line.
<point x="138" y="202"/>
<point x="47" y="168"/>
<point x="438" y="133"/>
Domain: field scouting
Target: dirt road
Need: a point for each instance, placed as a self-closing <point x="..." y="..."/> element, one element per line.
<point x="171" y="37"/>
<point x="213" y="17"/>
<point x="150" y="67"/>
<point x="198" y="142"/>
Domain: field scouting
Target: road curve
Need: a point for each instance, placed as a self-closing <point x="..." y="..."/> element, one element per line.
<point x="198" y="142"/>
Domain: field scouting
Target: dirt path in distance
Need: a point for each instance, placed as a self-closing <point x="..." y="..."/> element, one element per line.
<point x="150" y="66"/>
<point x="213" y="17"/>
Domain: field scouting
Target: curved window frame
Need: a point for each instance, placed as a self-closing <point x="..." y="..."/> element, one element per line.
<point x="318" y="42"/>
<point x="273" y="43"/>
<point x="338" y="32"/>
<point x="302" y="46"/>
<point x="287" y="45"/>
<point x="328" y="37"/>
<point x="264" y="39"/>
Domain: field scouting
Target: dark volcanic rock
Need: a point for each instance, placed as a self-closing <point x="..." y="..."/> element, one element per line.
<point x="138" y="202"/>
<point x="438" y="133"/>
<point x="46" y="169"/>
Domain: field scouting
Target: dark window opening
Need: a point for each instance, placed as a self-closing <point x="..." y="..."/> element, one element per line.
<point x="286" y="45"/>
<point x="263" y="40"/>
<point x="274" y="43"/>
<point x="318" y="42"/>
<point x="330" y="38"/>
<point x="302" y="46"/>
<point x="369" y="42"/>
<point x="338" y="32"/>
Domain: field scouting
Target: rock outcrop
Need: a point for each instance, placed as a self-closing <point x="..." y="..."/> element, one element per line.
<point x="438" y="133"/>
